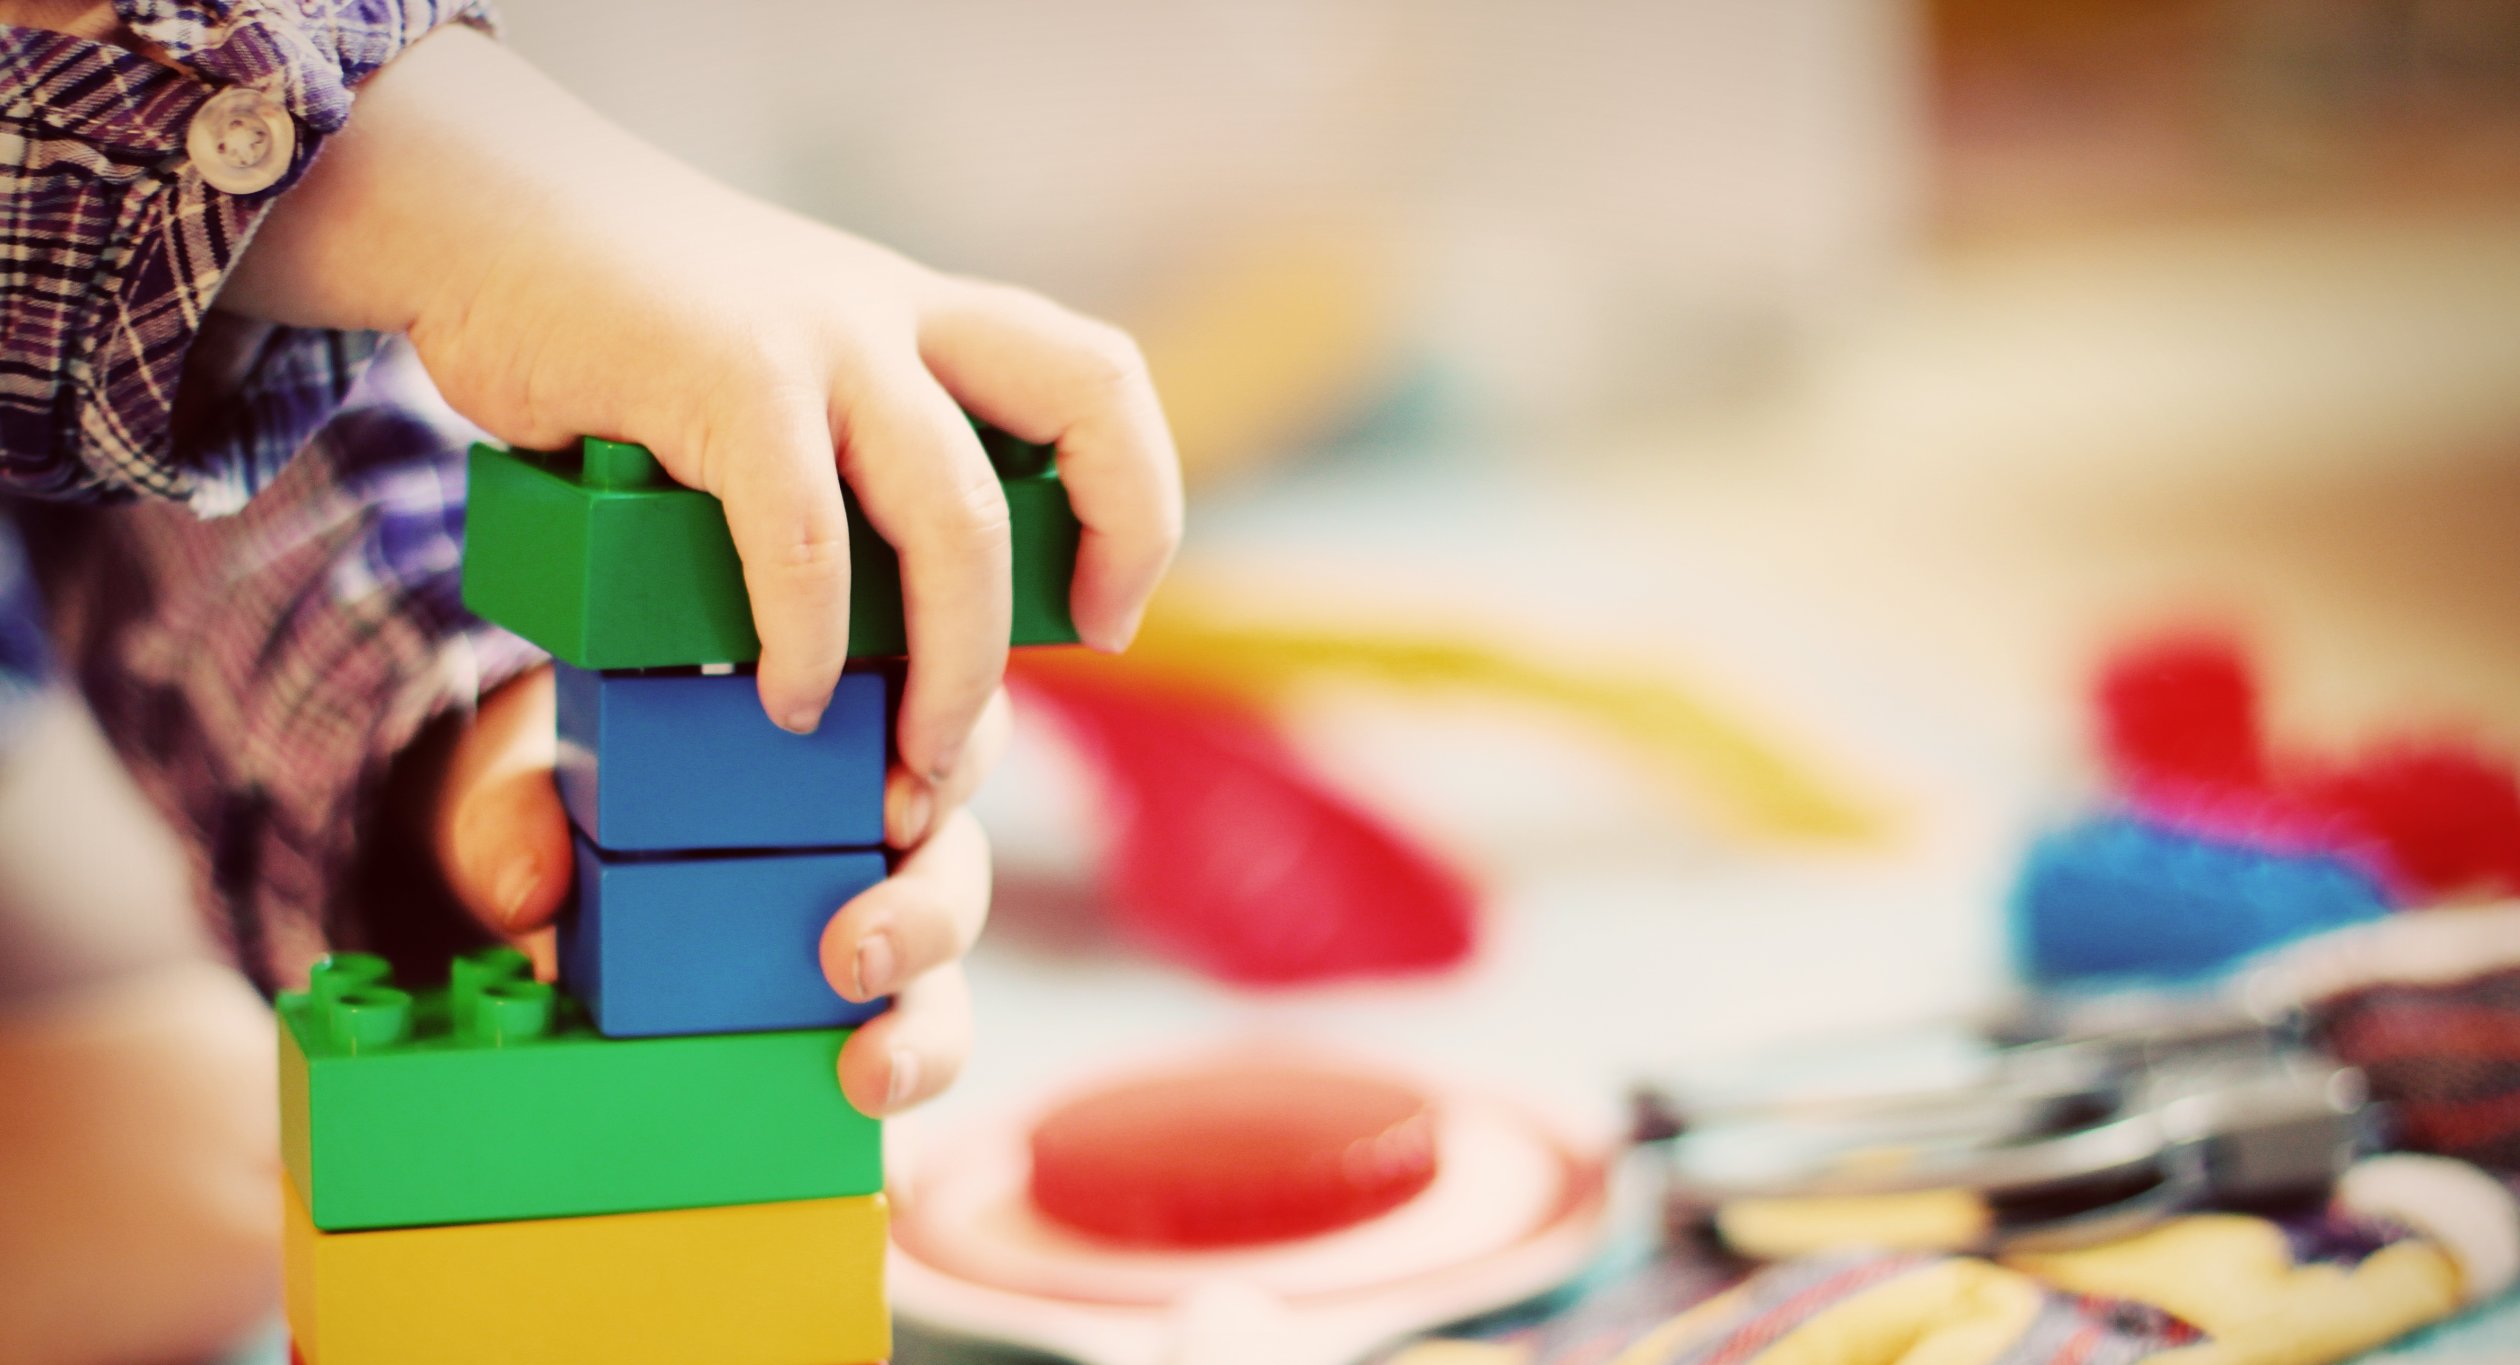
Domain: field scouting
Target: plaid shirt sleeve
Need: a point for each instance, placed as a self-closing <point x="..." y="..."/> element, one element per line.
<point x="259" y="664"/>
<point x="113" y="246"/>
<point x="261" y="673"/>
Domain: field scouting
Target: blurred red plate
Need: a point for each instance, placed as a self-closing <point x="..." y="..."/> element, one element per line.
<point x="1253" y="1151"/>
<point x="1516" y="1207"/>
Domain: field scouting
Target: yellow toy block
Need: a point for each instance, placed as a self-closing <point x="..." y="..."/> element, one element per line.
<point x="798" y="1283"/>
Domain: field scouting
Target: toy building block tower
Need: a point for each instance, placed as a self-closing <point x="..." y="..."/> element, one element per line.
<point x="652" y="1162"/>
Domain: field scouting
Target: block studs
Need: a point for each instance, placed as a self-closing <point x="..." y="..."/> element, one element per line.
<point x="513" y="1012"/>
<point x="617" y="464"/>
<point x="497" y="981"/>
<point x="337" y="974"/>
<point x="369" y="1018"/>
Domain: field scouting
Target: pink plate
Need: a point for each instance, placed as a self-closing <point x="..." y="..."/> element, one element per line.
<point x="1517" y="1208"/>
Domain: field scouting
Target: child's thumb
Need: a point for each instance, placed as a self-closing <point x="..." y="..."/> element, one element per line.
<point x="511" y="863"/>
<point x="502" y="835"/>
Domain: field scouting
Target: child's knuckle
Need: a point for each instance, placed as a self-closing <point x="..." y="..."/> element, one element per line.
<point x="977" y="516"/>
<point x="1112" y="362"/>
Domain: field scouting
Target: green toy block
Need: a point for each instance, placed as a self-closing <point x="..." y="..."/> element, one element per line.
<point x="598" y="557"/>
<point x="493" y="1099"/>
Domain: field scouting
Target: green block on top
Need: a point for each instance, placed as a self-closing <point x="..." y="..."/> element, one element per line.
<point x="493" y="1100"/>
<point x="598" y="557"/>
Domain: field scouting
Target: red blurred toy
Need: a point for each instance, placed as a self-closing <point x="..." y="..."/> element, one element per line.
<point x="1229" y="854"/>
<point x="2181" y="738"/>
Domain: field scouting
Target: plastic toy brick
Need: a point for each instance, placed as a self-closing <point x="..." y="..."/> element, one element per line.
<point x="798" y="1283"/>
<point x="680" y="761"/>
<point x="493" y="1098"/>
<point x="600" y="558"/>
<point x="712" y="943"/>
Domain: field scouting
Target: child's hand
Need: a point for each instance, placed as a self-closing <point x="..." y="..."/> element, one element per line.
<point x="559" y="279"/>
<point x="502" y="840"/>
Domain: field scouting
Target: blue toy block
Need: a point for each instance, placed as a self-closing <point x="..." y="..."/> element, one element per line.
<point x="678" y="760"/>
<point x="715" y="943"/>
<point x="2116" y="899"/>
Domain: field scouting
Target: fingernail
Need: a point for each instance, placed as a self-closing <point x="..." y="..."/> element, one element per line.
<point x="515" y="886"/>
<point x="802" y="721"/>
<point x="874" y="965"/>
<point x="909" y="804"/>
<point x="1120" y="637"/>
<point x="905" y="1078"/>
<point x="943" y="768"/>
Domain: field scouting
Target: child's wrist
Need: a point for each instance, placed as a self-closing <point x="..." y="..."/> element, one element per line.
<point x="447" y="157"/>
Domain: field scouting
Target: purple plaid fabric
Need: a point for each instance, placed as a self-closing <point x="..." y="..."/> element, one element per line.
<point x="1614" y="1320"/>
<point x="112" y="246"/>
<point x="277" y="617"/>
<point x="259" y="673"/>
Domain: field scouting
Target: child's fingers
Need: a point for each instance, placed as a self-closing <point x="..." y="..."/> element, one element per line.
<point x="774" y="468"/>
<point x="501" y="834"/>
<point x="928" y="489"/>
<point x="925" y="915"/>
<point x="913" y="805"/>
<point x="912" y="1051"/>
<point x="1042" y="373"/>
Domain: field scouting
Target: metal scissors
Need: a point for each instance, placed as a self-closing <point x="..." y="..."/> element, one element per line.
<point x="2059" y="1123"/>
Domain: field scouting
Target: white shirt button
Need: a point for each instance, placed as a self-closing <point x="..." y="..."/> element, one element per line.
<point x="242" y="140"/>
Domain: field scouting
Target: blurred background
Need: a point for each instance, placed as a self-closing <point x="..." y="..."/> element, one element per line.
<point x="1853" y="371"/>
<point x="1666" y="477"/>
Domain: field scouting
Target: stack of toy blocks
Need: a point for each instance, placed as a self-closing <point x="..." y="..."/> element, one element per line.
<point x="654" y="1161"/>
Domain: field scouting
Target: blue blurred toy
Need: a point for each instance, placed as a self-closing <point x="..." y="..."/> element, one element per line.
<point x="2117" y="898"/>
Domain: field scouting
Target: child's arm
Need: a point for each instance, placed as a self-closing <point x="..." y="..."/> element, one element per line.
<point x="137" y="1159"/>
<point x="559" y="277"/>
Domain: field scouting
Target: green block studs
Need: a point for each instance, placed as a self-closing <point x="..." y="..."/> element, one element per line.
<point x="492" y="1099"/>
<point x="492" y="1001"/>
<point x="619" y="465"/>
<point x="598" y="557"/>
